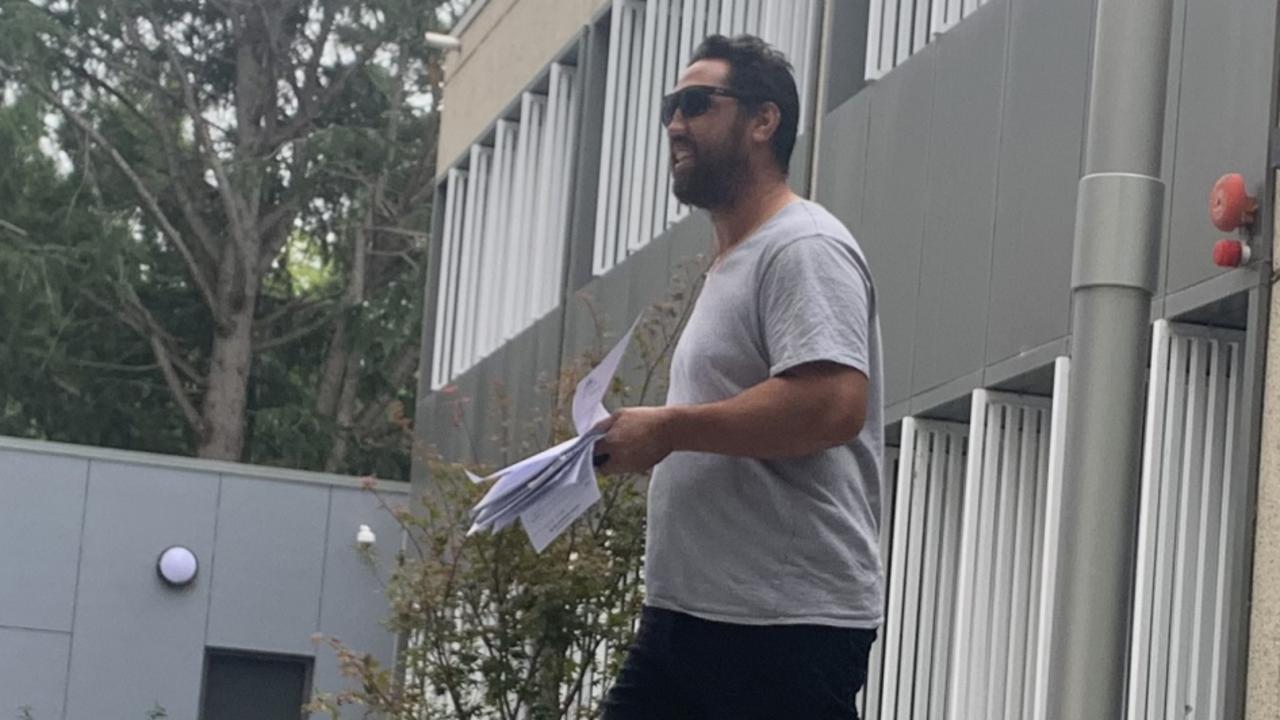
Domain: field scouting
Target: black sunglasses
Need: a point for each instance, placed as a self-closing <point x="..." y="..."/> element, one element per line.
<point x="694" y="100"/>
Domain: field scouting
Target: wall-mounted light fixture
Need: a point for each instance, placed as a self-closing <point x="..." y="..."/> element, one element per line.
<point x="177" y="566"/>
<point x="365" y="536"/>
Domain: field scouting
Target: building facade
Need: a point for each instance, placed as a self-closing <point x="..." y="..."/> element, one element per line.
<point x="89" y="629"/>
<point x="950" y="137"/>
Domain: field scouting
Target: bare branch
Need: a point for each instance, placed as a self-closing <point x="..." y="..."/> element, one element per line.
<point x="145" y="324"/>
<point x="274" y="228"/>
<point x="321" y="320"/>
<point x="231" y="202"/>
<point x="309" y="110"/>
<point x="296" y="305"/>
<point x="148" y="198"/>
<point x="401" y="368"/>
<point x="5" y="225"/>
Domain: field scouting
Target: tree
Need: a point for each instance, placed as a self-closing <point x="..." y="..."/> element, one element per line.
<point x="271" y="163"/>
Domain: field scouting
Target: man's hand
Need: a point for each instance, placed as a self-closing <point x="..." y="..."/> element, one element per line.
<point x="636" y="439"/>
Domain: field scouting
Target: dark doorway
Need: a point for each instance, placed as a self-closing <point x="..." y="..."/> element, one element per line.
<point x="254" y="686"/>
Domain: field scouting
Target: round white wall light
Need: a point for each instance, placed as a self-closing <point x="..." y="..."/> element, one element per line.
<point x="177" y="566"/>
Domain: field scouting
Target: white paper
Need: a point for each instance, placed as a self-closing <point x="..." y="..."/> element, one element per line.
<point x="588" y="408"/>
<point x="573" y="495"/>
<point x="551" y="489"/>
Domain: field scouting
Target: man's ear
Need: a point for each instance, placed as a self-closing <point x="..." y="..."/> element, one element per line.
<point x="766" y="122"/>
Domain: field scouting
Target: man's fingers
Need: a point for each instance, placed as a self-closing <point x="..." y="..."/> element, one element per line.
<point x="606" y="424"/>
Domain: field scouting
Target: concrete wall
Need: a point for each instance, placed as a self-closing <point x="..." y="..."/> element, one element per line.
<point x="88" y="630"/>
<point x="504" y="46"/>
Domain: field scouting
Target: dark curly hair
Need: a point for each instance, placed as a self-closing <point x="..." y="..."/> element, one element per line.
<point x="761" y="74"/>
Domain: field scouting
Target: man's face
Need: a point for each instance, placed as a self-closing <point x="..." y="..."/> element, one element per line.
<point x="708" y="152"/>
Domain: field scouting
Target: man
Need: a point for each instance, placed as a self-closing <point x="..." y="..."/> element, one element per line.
<point x="763" y="578"/>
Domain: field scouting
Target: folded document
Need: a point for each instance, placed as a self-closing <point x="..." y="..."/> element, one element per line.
<point x="550" y="490"/>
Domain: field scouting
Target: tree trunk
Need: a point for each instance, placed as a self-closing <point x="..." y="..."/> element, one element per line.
<point x="333" y="370"/>
<point x="226" y="395"/>
<point x="343" y="416"/>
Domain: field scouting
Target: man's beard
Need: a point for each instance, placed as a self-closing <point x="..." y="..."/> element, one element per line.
<point x="715" y="178"/>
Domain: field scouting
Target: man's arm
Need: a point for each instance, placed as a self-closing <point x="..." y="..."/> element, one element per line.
<point x="804" y="410"/>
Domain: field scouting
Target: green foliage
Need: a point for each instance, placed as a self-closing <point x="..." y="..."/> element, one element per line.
<point x="124" y="130"/>
<point x="493" y="630"/>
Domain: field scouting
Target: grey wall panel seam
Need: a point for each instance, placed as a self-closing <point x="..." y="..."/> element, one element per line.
<point x="324" y="566"/>
<point x="75" y="592"/>
<point x="995" y="196"/>
<point x="866" y="151"/>
<point x="213" y="555"/>
<point x="25" y="628"/>
<point x="188" y="464"/>
<point x="923" y="217"/>
<point x="1171" y="162"/>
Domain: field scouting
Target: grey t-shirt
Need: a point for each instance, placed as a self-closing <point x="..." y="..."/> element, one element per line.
<point x="785" y="541"/>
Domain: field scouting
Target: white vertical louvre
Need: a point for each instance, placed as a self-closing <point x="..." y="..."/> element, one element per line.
<point x="897" y="29"/>
<point x="1001" y="616"/>
<point x="532" y="112"/>
<point x="499" y="241"/>
<point x="922" y="556"/>
<point x="868" y="699"/>
<point x="446" y="299"/>
<point x="650" y="41"/>
<point x="1191" y="497"/>
<point x="1045" y="556"/>
<point x="551" y="217"/>
<point x="505" y="228"/>
<point x="469" y="264"/>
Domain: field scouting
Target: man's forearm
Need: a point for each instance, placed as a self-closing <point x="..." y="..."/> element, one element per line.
<point x="781" y="417"/>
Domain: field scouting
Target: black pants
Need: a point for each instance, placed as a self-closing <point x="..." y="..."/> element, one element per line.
<point x="685" y="668"/>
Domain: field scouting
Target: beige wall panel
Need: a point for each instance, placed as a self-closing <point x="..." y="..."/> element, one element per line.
<point x="503" y="48"/>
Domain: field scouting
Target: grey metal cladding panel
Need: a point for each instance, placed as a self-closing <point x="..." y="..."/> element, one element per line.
<point x="955" y="275"/>
<point x="520" y="377"/>
<point x="692" y="241"/>
<point x="481" y="407"/>
<point x="847" y="57"/>
<point x="893" y="210"/>
<point x="138" y="642"/>
<point x="587" y="176"/>
<point x="799" y="168"/>
<point x="579" y="322"/>
<point x="550" y="333"/>
<point x="40" y="514"/>
<point x="1041" y="136"/>
<point x="842" y="161"/>
<point x="352" y="605"/>
<point x="33" y="673"/>
<point x="1222" y="121"/>
<point x="650" y="275"/>
<point x="463" y="416"/>
<point x="267" y="565"/>
<point x="423" y="427"/>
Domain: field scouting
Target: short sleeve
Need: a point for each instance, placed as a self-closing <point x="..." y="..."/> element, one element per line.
<point x="814" y="304"/>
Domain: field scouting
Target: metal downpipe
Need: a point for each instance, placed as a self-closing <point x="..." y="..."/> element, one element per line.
<point x="1117" y="236"/>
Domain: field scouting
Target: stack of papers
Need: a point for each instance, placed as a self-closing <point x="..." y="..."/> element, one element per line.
<point x="550" y="490"/>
